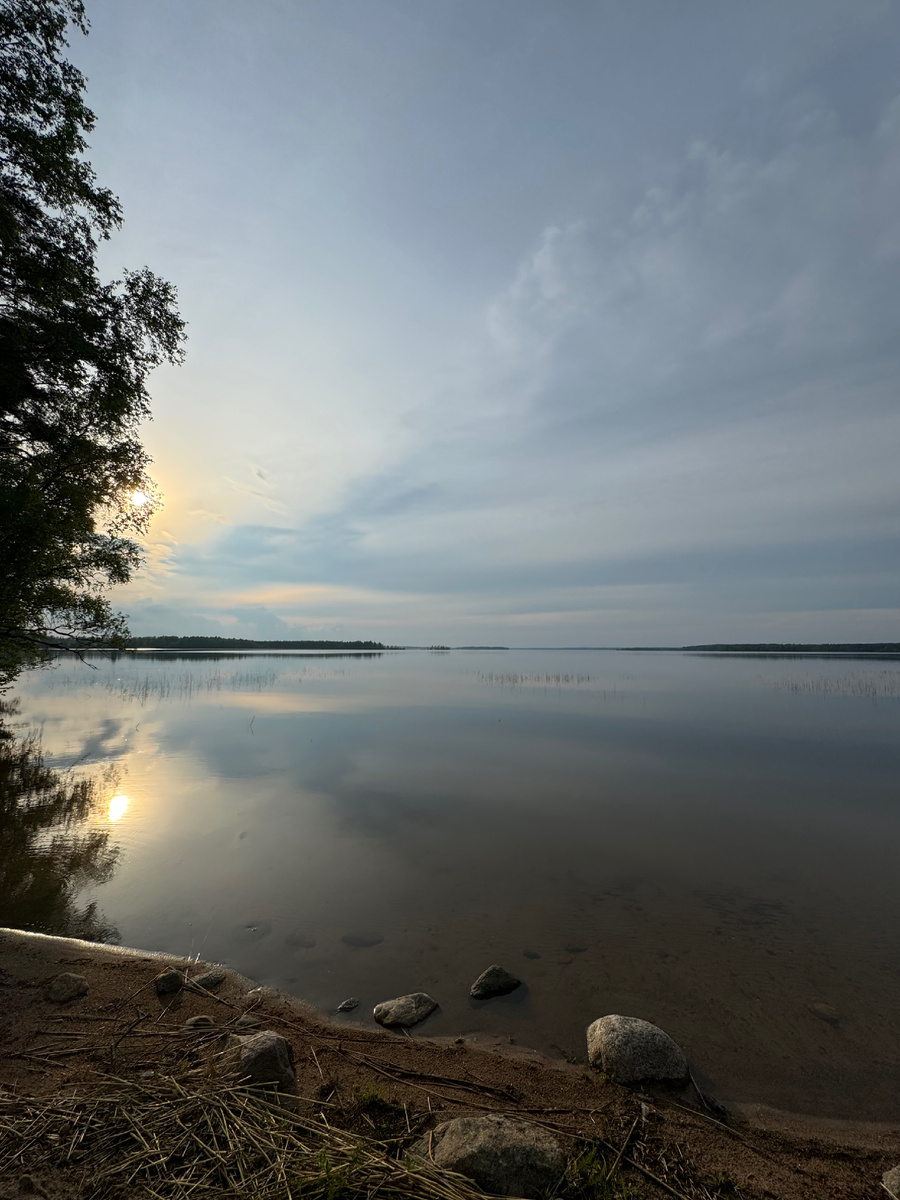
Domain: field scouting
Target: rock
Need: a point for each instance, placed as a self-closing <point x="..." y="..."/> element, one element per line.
<point x="826" y="1013"/>
<point x="209" y="980"/>
<point x="300" y="941"/>
<point x="259" y="995"/>
<point x="247" y="1021"/>
<point x="265" y="1058"/>
<point x="405" y="1010"/>
<point x="573" y="948"/>
<point x="630" y="1050"/>
<point x="348" y="1005"/>
<point x="168" y="982"/>
<point x="66" y="987"/>
<point x="531" y="954"/>
<point x="503" y="1156"/>
<point x="493" y="982"/>
<point x="891" y="1181"/>
<point x="201" y="1021"/>
<point x="362" y="938"/>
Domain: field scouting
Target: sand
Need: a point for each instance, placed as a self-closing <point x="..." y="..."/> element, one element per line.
<point x="379" y="1084"/>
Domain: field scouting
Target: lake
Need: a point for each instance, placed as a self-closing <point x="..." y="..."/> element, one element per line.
<point x="710" y="842"/>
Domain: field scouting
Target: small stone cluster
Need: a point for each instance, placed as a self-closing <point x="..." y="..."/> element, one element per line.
<point x="404" y="1011"/>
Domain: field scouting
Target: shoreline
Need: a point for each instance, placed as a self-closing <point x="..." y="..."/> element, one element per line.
<point x="760" y="1149"/>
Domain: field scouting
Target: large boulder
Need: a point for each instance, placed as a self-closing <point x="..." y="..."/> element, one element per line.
<point x="502" y="1156"/>
<point x="265" y="1059"/>
<point x="495" y="981"/>
<point x="405" y="1010"/>
<point x="630" y="1050"/>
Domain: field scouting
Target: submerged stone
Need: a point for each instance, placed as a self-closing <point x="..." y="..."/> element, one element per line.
<point x="361" y="939"/>
<point x="495" y="981"/>
<point x="348" y="1005"/>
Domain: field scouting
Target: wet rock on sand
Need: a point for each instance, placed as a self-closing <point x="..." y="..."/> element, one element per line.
<point x="247" y="1021"/>
<point x="825" y="1012"/>
<point x="630" y="1050"/>
<point x="891" y="1181"/>
<point x="405" y="1010"/>
<point x="168" y="982"/>
<point x="495" y="981"/>
<point x="209" y="980"/>
<point x="348" y="1005"/>
<point x="201" y="1021"/>
<point x="66" y="987"/>
<point x="503" y="1156"/>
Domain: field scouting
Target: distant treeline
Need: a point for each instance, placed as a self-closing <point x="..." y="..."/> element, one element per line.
<point x="165" y="642"/>
<point x="805" y="647"/>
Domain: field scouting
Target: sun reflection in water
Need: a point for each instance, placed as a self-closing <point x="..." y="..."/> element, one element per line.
<point x="118" y="806"/>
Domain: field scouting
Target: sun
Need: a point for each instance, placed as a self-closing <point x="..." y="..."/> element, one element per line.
<point x="139" y="498"/>
<point x="118" y="806"/>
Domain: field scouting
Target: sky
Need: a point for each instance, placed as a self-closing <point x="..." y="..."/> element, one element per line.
<point x="524" y="323"/>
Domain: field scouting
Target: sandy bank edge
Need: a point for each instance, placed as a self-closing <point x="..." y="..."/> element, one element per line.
<point x="29" y="955"/>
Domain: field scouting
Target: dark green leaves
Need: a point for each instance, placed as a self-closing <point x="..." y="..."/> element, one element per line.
<point x="75" y="353"/>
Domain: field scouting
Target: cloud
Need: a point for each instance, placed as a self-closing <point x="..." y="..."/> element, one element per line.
<point x="684" y="398"/>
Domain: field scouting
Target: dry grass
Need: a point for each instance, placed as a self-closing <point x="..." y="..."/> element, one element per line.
<point x="171" y="1143"/>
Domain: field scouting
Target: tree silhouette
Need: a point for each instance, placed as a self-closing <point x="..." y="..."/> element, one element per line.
<point x="75" y="353"/>
<point x="46" y="856"/>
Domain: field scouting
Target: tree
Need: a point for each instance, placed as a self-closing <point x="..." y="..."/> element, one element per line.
<point x="75" y="353"/>
<point x="49" y="849"/>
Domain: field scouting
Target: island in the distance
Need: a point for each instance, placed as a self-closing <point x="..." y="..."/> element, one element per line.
<point x="167" y="642"/>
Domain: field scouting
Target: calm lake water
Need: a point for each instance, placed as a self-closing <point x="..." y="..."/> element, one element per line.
<point x="709" y="842"/>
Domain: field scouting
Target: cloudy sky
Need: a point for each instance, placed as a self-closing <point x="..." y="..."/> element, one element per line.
<point x="571" y="322"/>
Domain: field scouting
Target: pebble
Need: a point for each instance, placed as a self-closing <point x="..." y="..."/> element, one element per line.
<point x="348" y="1005"/>
<point x="825" y="1012"/>
<point x="201" y="1021"/>
<point x="66" y="987"/>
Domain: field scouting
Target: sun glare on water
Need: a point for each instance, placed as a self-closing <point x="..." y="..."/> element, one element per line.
<point x="118" y="806"/>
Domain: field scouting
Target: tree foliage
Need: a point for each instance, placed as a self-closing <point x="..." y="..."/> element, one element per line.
<point x="75" y="353"/>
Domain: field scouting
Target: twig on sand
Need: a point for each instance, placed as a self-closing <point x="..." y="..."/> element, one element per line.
<point x="624" y="1147"/>
<point x="316" y="1061"/>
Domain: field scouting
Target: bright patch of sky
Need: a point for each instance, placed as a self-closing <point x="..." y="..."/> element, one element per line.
<point x="527" y="323"/>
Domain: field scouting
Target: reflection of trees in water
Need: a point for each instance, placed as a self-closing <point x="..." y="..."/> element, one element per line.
<point x="46" y="859"/>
